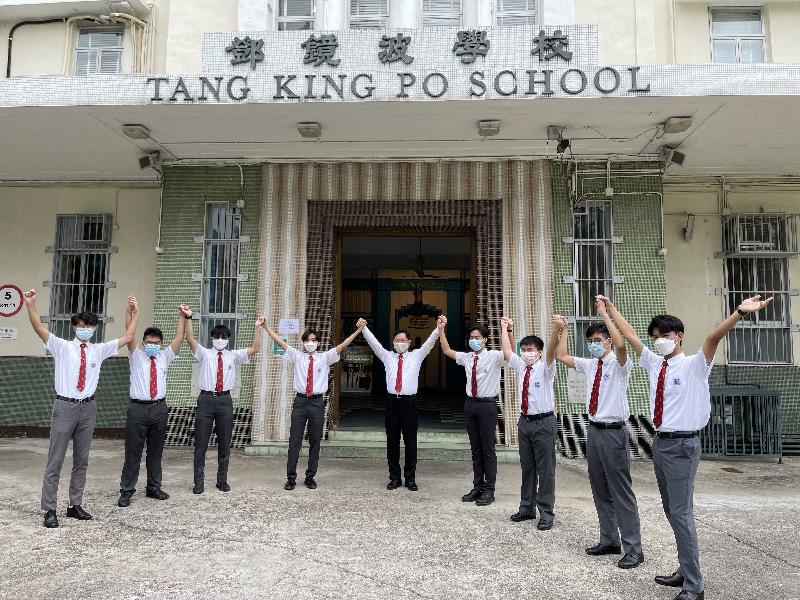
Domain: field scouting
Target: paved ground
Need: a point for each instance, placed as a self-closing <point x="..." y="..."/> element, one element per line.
<point x="351" y="538"/>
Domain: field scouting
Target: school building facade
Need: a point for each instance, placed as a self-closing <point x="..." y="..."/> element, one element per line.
<point x="400" y="159"/>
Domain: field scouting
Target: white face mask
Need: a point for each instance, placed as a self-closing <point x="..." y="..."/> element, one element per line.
<point x="530" y="357"/>
<point x="664" y="346"/>
<point x="401" y="347"/>
<point x="219" y="343"/>
<point x="310" y="346"/>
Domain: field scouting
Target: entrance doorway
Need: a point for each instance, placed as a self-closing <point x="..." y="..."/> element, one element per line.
<point x="403" y="281"/>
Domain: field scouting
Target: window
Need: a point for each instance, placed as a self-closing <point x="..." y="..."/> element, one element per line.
<point x="757" y="248"/>
<point x="515" y="12"/>
<point x="737" y="36"/>
<point x="295" y="14"/>
<point x="441" y="13"/>
<point x="99" y="50"/>
<point x="220" y="293"/>
<point x="80" y="271"/>
<point x="369" y="14"/>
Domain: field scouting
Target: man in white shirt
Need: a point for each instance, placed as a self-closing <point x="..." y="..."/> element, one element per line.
<point x="77" y="371"/>
<point x="310" y="381"/>
<point x="680" y="405"/>
<point x="483" y="368"/>
<point x="607" y="454"/>
<point x="214" y="404"/>
<point x="402" y="380"/>
<point x="537" y="426"/>
<point x="146" y="422"/>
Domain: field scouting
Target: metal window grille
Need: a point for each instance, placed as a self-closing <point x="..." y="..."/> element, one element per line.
<point x="295" y="14"/>
<point x="369" y="14"/>
<point x="220" y="294"/>
<point x="516" y="12"/>
<point x="737" y="36"/>
<point x="441" y="13"/>
<point x="99" y="50"/>
<point x="81" y="257"/>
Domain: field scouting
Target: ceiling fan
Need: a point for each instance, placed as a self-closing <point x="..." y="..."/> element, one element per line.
<point x="419" y="263"/>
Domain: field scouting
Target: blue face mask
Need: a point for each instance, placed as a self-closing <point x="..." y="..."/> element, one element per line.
<point x="152" y="349"/>
<point x="84" y="333"/>
<point x="596" y="349"/>
<point x="475" y="345"/>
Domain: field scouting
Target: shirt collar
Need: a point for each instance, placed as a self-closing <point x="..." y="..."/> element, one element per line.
<point x="677" y="358"/>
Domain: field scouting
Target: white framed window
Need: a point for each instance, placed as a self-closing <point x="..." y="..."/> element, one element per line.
<point x="441" y="13"/>
<point x="81" y="257"/>
<point x="516" y="12"/>
<point x="369" y="14"/>
<point x="220" y="293"/>
<point x="737" y="35"/>
<point x="98" y="50"/>
<point x="295" y="14"/>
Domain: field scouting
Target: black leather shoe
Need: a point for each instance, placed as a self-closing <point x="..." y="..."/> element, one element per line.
<point x="471" y="496"/>
<point x="198" y="488"/>
<point x="412" y="485"/>
<point x="674" y="580"/>
<point x="393" y="485"/>
<point x="601" y="550"/>
<point x="50" y="519"/>
<point x="631" y="561"/>
<point x="157" y="494"/>
<point x="310" y="483"/>
<point x="684" y="595"/>
<point x="77" y="512"/>
<point x="485" y="499"/>
<point x="289" y="485"/>
<point x="125" y="499"/>
<point x="544" y="524"/>
<point x="517" y="517"/>
<point x="223" y="486"/>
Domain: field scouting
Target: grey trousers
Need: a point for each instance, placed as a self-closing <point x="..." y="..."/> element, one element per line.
<point x="311" y="411"/>
<point x="675" y="462"/>
<point x="146" y="425"/>
<point x="537" y="457"/>
<point x="70" y="421"/>
<point x="212" y="412"/>
<point x="610" y="479"/>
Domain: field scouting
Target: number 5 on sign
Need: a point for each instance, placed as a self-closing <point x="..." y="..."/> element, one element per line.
<point x="10" y="300"/>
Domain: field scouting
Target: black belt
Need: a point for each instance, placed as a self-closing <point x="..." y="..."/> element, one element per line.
<point x="537" y="417"/>
<point x="208" y="393"/>
<point x="410" y="396"/>
<point x="481" y="399"/>
<point x="76" y="400"/>
<point x="311" y="397"/>
<point x="612" y="425"/>
<point x="158" y="401"/>
<point x="677" y="434"/>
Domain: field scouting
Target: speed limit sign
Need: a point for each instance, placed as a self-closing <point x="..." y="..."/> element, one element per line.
<point x="10" y="300"/>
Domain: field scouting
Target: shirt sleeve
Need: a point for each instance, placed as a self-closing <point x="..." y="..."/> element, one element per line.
<point x="581" y="365"/>
<point x="498" y="357"/>
<point x="291" y="355"/>
<point x="700" y="366"/>
<point x="550" y="371"/>
<point x="108" y="349"/>
<point x="429" y="343"/>
<point x="169" y="355"/>
<point x="461" y="358"/>
<point x="240" y="357"/>
<point x="332" y="356"/>
<point x="516" y="363"/>
<point x="200" y="353"/>
<point x="648" y="360"/>
<point x="375" y="345"/>
<point x="55" y="345"/>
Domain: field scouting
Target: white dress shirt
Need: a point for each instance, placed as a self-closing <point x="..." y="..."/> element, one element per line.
<point x="612" y="398"/>
<point x="687" y="399"/>
<point x="208" y="359"/>
<point x="140" y="373"/>
<point x="541" y="397"/>
<point x="412" y="362"/>
<point x="490" y="362"/>
<point x="67" y="360"/>
<point x="322" y="364"/>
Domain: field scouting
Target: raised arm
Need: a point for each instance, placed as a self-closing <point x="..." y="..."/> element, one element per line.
<point x="275" y="337"/>
<point x="33" y="315"/>
<point x="379" y="351"/>
<point x="616" y="338"/>
<point x="562" y="352"/>
<point x="440" y="325"/>
<point x="255" y="347"/>
<point x="129" y="339"/>
<point x="506" y="343"/>
<point x="552" y="344"/>
<point x="749" y="305"/>
<point x="189" y="328"/>
<point x="625" y="328"/>
<point x="128" y="319"/>
<point x="340" y="348"/>
<point x="428" y="344"/>
<point x="180" y="331"/>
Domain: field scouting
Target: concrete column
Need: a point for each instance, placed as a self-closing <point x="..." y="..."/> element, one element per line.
<point x="405" y="14"/>
<point x="253" y="15"/>
<point x="332" y="14"/>
<point x="558" y="12"/>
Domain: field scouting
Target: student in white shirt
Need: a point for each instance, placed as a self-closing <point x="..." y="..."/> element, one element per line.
<point x="607" y="454"/>
<point x="402" y="380"/>
<point x="146" y="422"/>
<point x="537" y="426"/>
<point x="214" y="404"/>
<point x="77" y="371"/>
<point x="311" y="369"/>
<point x="680" y="405"/>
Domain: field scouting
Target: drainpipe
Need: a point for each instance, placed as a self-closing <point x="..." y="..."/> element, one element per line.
<point x="11" y="37"/>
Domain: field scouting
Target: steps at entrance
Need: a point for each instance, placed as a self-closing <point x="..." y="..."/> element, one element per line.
<point x="356" y="434"/>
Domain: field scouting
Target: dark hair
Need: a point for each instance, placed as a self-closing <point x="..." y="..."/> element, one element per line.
<point x="665" y="324"/>
<point x="308" y="333"/>
<point x="221" y="331"/>
<point x="597" y="328"/>
<point x="532" y="340"/>
<point x="482" y="329"/>
<point x="88" y="318"/>
<point x="399" y="331"/>
<point x="153" y="332"/>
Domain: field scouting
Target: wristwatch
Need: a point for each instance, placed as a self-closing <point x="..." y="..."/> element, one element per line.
<point x="187" y="316"/>
<point x="741" y="312"/>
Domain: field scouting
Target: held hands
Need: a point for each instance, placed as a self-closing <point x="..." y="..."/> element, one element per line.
<point x="506" y="323"/>
<point x="260" y="321"/>
<point x="754" y="304"/>
<point x="185" y="310"/>
<point x="441" y="322"/>
<point x="559" y="323"/>
<point x="361" y="324"/>
<point x="600" y="306"/>
<point x="133" y="305"/>
<point x="30" y="297"/>
<point x="606" y="302"/>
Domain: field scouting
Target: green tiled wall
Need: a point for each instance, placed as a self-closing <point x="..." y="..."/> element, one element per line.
<point x="185" y="194"/>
